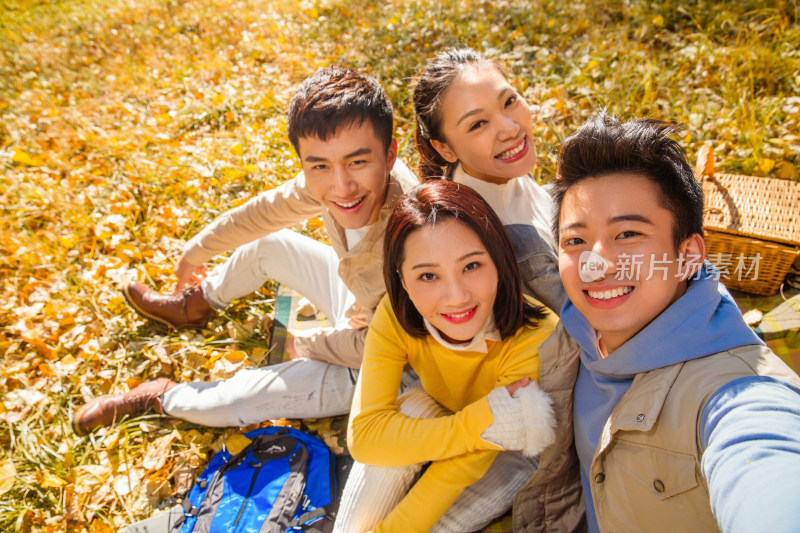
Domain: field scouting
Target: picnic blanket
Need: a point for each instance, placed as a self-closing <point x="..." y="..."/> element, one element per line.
<point x="292" y="313"/>
<point x="779" y="326"/>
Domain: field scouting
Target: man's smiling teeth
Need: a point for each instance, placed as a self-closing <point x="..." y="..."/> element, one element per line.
<point x="459" y="315"/>
<point x="512" y="152"/>
<point x="351" y="204"/>
<point x="613" y="293"/>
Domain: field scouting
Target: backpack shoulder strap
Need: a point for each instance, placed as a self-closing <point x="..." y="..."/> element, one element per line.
<point x="286" y="503"/>
<point x="301" y="523"/>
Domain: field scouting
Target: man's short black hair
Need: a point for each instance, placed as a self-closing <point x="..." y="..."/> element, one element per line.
<point x="338" y="96"/>
<point x="604" y="145"/>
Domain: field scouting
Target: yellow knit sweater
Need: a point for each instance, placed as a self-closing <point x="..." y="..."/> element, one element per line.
<point x="459" y="380"/>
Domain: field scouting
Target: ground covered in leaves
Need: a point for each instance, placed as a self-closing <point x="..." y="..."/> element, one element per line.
<point x="127" y="125"/>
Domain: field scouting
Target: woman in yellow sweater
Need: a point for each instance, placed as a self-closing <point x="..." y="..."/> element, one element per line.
<point x="455" y="313"/>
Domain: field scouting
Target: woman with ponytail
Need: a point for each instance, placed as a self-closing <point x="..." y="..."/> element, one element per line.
<point x="474" y="128"/>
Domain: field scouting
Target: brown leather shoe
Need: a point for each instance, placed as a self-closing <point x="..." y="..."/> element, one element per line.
<point x="107" y="409"/>
<point x="189" y="309"/>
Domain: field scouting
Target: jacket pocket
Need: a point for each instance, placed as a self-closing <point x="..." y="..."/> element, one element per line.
<point x="658" y="472"/>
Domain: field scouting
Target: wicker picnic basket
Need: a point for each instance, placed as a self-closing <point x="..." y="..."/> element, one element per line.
<point x="752" y="226"/>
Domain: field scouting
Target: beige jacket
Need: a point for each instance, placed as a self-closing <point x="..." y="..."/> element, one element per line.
<point x="552" y="501"/>
<point x="360" y="268"/>
<point x="646" y="473"/>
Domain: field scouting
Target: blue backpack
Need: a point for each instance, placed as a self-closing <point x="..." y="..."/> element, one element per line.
<point x="284" y="480"/>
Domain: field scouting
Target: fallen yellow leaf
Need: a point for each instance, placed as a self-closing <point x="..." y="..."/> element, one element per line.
<point x="765" y="165"/>
<point x="49" y="480"/>
<point x="236" y="356"/>
<point x="266" y="102"/>
<point x="87" y="477"/>
<point x="785" y="171"/>
<point x="20" y="156"/>
<point x="257" y="354"/>
<point x="233" y="173"/>
<point x="158" y="452"/>
<point x="99" y="526"/>
<point x="8" y="474"/>
<point x="236" y="443"/>
<point x="112" y="439"/>
<point x="45" y="369"/>
<point x="32" y="337"/>
<point x="67" y="363"/>
<point x="314" y="223"/>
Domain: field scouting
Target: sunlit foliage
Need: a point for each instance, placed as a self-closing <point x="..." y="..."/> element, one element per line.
<point x="126" y="125"/>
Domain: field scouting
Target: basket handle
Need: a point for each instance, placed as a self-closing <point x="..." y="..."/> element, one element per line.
<point x="704" y="169"/>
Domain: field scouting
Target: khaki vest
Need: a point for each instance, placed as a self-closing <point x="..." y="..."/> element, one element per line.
<point x="361" y="267"/>
<point x="552" y="501"/>
<point x="646" y="473"/>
